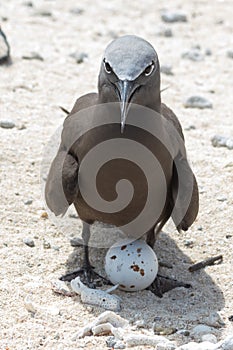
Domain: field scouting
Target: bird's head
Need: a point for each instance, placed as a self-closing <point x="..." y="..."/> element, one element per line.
<point x="130" y="73"/>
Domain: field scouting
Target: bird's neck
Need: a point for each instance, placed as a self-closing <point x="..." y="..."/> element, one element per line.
<point x="151" y="99"/>
<point x="155" y="104"/>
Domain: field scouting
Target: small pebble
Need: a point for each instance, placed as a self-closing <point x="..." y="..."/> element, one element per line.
<point x="173" y="17"/>
<point x="111" y="341"/>
<point x="79" y="56"/>
<point x="229" y="143"/>
<point x="157" y="318"/>
<point x="76" y="242"/>
<point x="166" y="32"/>
<point x="56" y="248"/>
<point x="112" y="33"/>
<point x="28" y="202"/>
<point x="197" y="346"/>
<point x="189" y="243"/>
<point x="210" y="338"/>
<point x="208" y="52"/>
<point x="230" y="318"/>
<point x="221" y="199"/>
<point x="220" y="21"/>
<point x="33" y="56"/>
<point x="190" y="127"/>
<point x="166" y="69"/>
<point x="218" y="141"/>
<point x="28" y="3"/>
<point x="184" y="332"/>
<point x="89" y="308"/>
<point x="60" y="287"/>
<point x="227" y="343"/>
<point x="22" y="127"/>
<point x="46" y="245"/>
<point x="197" y="102"/>
<point x="7" y="124"/>
<point x="119" y="345"/>
<point x="194" y="55"/>
<point x="163" y="330"/>
<point x="140" y="324"/>
<point x="30" y="305"/>
<point x="222" y="141"/>
<point x="76" y="11"/>
<point x="196" y="47"/>
<point x="43" y="12"/>
<point x="44" y="215"/>
<point x="142" y="339"/>
<point x="56" y="336"/>
<point x="166" y="346"/>
<point x="73" y="216"/>
<point x="230" y="53"/>
<point x="198" y="331"/>
<point x="29" y="242"/>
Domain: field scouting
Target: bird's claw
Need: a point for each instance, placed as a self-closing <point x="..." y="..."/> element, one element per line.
<point x="163" y="284"/>
<point x="87" y="275"/>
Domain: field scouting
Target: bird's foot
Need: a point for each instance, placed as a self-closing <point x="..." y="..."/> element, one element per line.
<point x="88" y="276"/>
<point x="163" y="284"/>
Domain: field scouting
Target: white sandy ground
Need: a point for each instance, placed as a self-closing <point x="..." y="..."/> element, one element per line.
<point x="30" y="93"/>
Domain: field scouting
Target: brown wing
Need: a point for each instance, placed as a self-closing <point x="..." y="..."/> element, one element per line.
<point x="62" y="182"/>
<point x="172" y="118"/>
<point x="185" y="195"/>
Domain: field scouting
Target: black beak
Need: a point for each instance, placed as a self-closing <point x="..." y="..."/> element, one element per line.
<point x="126" y="90"/>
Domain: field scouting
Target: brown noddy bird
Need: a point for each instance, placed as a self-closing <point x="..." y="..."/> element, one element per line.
<point x="129" y="74"/>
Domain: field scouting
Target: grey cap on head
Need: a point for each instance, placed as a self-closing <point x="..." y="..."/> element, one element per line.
<point x="129" y="55"/>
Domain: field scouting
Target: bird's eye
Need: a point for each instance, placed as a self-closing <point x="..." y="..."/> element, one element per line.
<point x="107" y="67"/>
<point x="149" y="69"/>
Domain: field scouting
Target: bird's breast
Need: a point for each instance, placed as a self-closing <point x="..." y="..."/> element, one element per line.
<point x="122" y="174"/>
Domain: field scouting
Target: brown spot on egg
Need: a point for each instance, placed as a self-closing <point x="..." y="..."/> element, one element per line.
<point x="135" y="268"/>
<point x="128" y="254"/>
<point x="139" y="250"/>
<point x="122" y="286"/>
<point x="123" y="247"/>
<point x="113" y="257"/>
<point x="142" y="272"/>
<point x="142" y="262"/>
<point x="132" y="286"/>
<point x="139" y="255"/>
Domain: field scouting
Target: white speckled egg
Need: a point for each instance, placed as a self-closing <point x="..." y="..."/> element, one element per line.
<point x="132" y="265"/>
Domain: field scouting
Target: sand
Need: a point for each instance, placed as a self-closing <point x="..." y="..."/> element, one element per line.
<point x="31" y="92"/>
